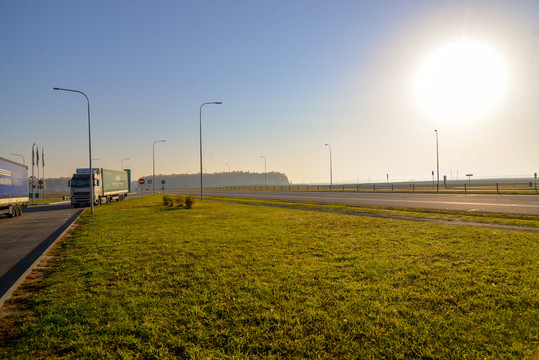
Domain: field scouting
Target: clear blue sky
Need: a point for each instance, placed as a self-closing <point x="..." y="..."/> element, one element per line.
<point x="292" y="76"/>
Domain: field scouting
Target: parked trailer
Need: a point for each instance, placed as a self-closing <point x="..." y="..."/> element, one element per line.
<point x="109" y="185"/>
<point x="13" y="187"/>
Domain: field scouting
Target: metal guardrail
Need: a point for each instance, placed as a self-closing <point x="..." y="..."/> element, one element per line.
<point x="464" y="186"/>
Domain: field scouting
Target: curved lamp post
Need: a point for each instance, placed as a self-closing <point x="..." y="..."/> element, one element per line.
<point x="33" y="178"/>
<point x="153" y="178"/>
<point x="89" y="148"/>
<point x="201" y="181"/>
<point x="330" y="168"/>
<point x="23" y="161"/>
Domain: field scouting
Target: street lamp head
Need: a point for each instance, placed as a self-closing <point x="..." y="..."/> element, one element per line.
<point x="218" y="102"/>
<point x="55" y="88"/>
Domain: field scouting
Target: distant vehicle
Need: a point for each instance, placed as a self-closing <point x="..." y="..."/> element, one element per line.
<point x="13" y="187"/>
<point x="109" y="185"/>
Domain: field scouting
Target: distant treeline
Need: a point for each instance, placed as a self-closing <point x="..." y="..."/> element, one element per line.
<point x="57" y="184"/>
<point x="182" y="181"/>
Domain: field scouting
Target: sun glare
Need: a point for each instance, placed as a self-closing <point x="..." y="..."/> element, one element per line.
<point x="461" y="79"/>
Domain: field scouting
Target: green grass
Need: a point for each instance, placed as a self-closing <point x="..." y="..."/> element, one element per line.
<point x="230" y="281"/>
<point x="449" y="215"/>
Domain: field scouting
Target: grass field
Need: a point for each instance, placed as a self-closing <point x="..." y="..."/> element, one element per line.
<point x="449" y="215"/>
<point x="232" y="281"/>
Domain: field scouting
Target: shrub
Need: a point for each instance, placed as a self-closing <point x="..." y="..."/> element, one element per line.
<point x="179" y="201"/>
<point x="167" y="200"/>
<point x="189" y="202"/>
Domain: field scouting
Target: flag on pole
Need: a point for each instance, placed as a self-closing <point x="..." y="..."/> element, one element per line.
<point x="37" y="155"/>
<point x="33" y="156"/>
<point x="43" y="156"/>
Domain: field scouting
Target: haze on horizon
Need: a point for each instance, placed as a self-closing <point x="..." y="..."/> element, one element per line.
<point x="372" y="79"/>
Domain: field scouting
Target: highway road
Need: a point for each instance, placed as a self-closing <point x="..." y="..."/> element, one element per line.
<point x="24" y="238"/>
<point x="504" y="204"/>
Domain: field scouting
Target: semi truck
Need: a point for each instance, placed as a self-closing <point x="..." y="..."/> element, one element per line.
<point x="109" y="185"/>
<point x="13" y="187"/>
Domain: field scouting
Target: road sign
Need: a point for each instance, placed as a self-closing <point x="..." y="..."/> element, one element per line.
<point x="141" y="181"/>
<point x="163" y="182"/>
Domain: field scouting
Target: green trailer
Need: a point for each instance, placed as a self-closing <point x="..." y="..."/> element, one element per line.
<point x="109" y="185"/>
<point x="114" y="182"/>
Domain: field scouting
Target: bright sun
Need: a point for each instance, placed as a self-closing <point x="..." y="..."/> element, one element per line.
<point x="461" y="79"/>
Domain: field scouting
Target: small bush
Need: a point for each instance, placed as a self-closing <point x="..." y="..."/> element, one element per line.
<point x="179" y="201"/>
<point x="189" y="202"/>
<point x="167" y="200"/>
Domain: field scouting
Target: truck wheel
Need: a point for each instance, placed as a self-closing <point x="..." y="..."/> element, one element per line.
<point x="11" y="212"/>
<point x="20" y="210"/>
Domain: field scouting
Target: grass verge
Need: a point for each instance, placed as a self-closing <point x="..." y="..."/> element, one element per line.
<point x="222" y="280"/>
<point x="449" y="215"/>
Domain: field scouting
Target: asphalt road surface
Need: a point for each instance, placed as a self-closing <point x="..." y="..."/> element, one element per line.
<point x="24" y="238"/>
<point x="504" y="204"/>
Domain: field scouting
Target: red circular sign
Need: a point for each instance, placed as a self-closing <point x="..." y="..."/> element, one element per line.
<point x="141" y="181"/>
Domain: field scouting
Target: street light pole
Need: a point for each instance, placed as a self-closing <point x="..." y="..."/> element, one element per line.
<point x="23" y="162"/>
<point x="437" y="164"/>
<point x="265" y="171"/>
<point x="33" y="179"/>
<point x="89" y="148"/>
<point x="153" y="178"/>
<point x="123" y="163"/>
<point x="330" y="168"/>
<point x="200" y="117"/>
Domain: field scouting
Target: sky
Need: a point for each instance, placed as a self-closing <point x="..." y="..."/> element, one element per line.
<point x="373" y="79"/>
